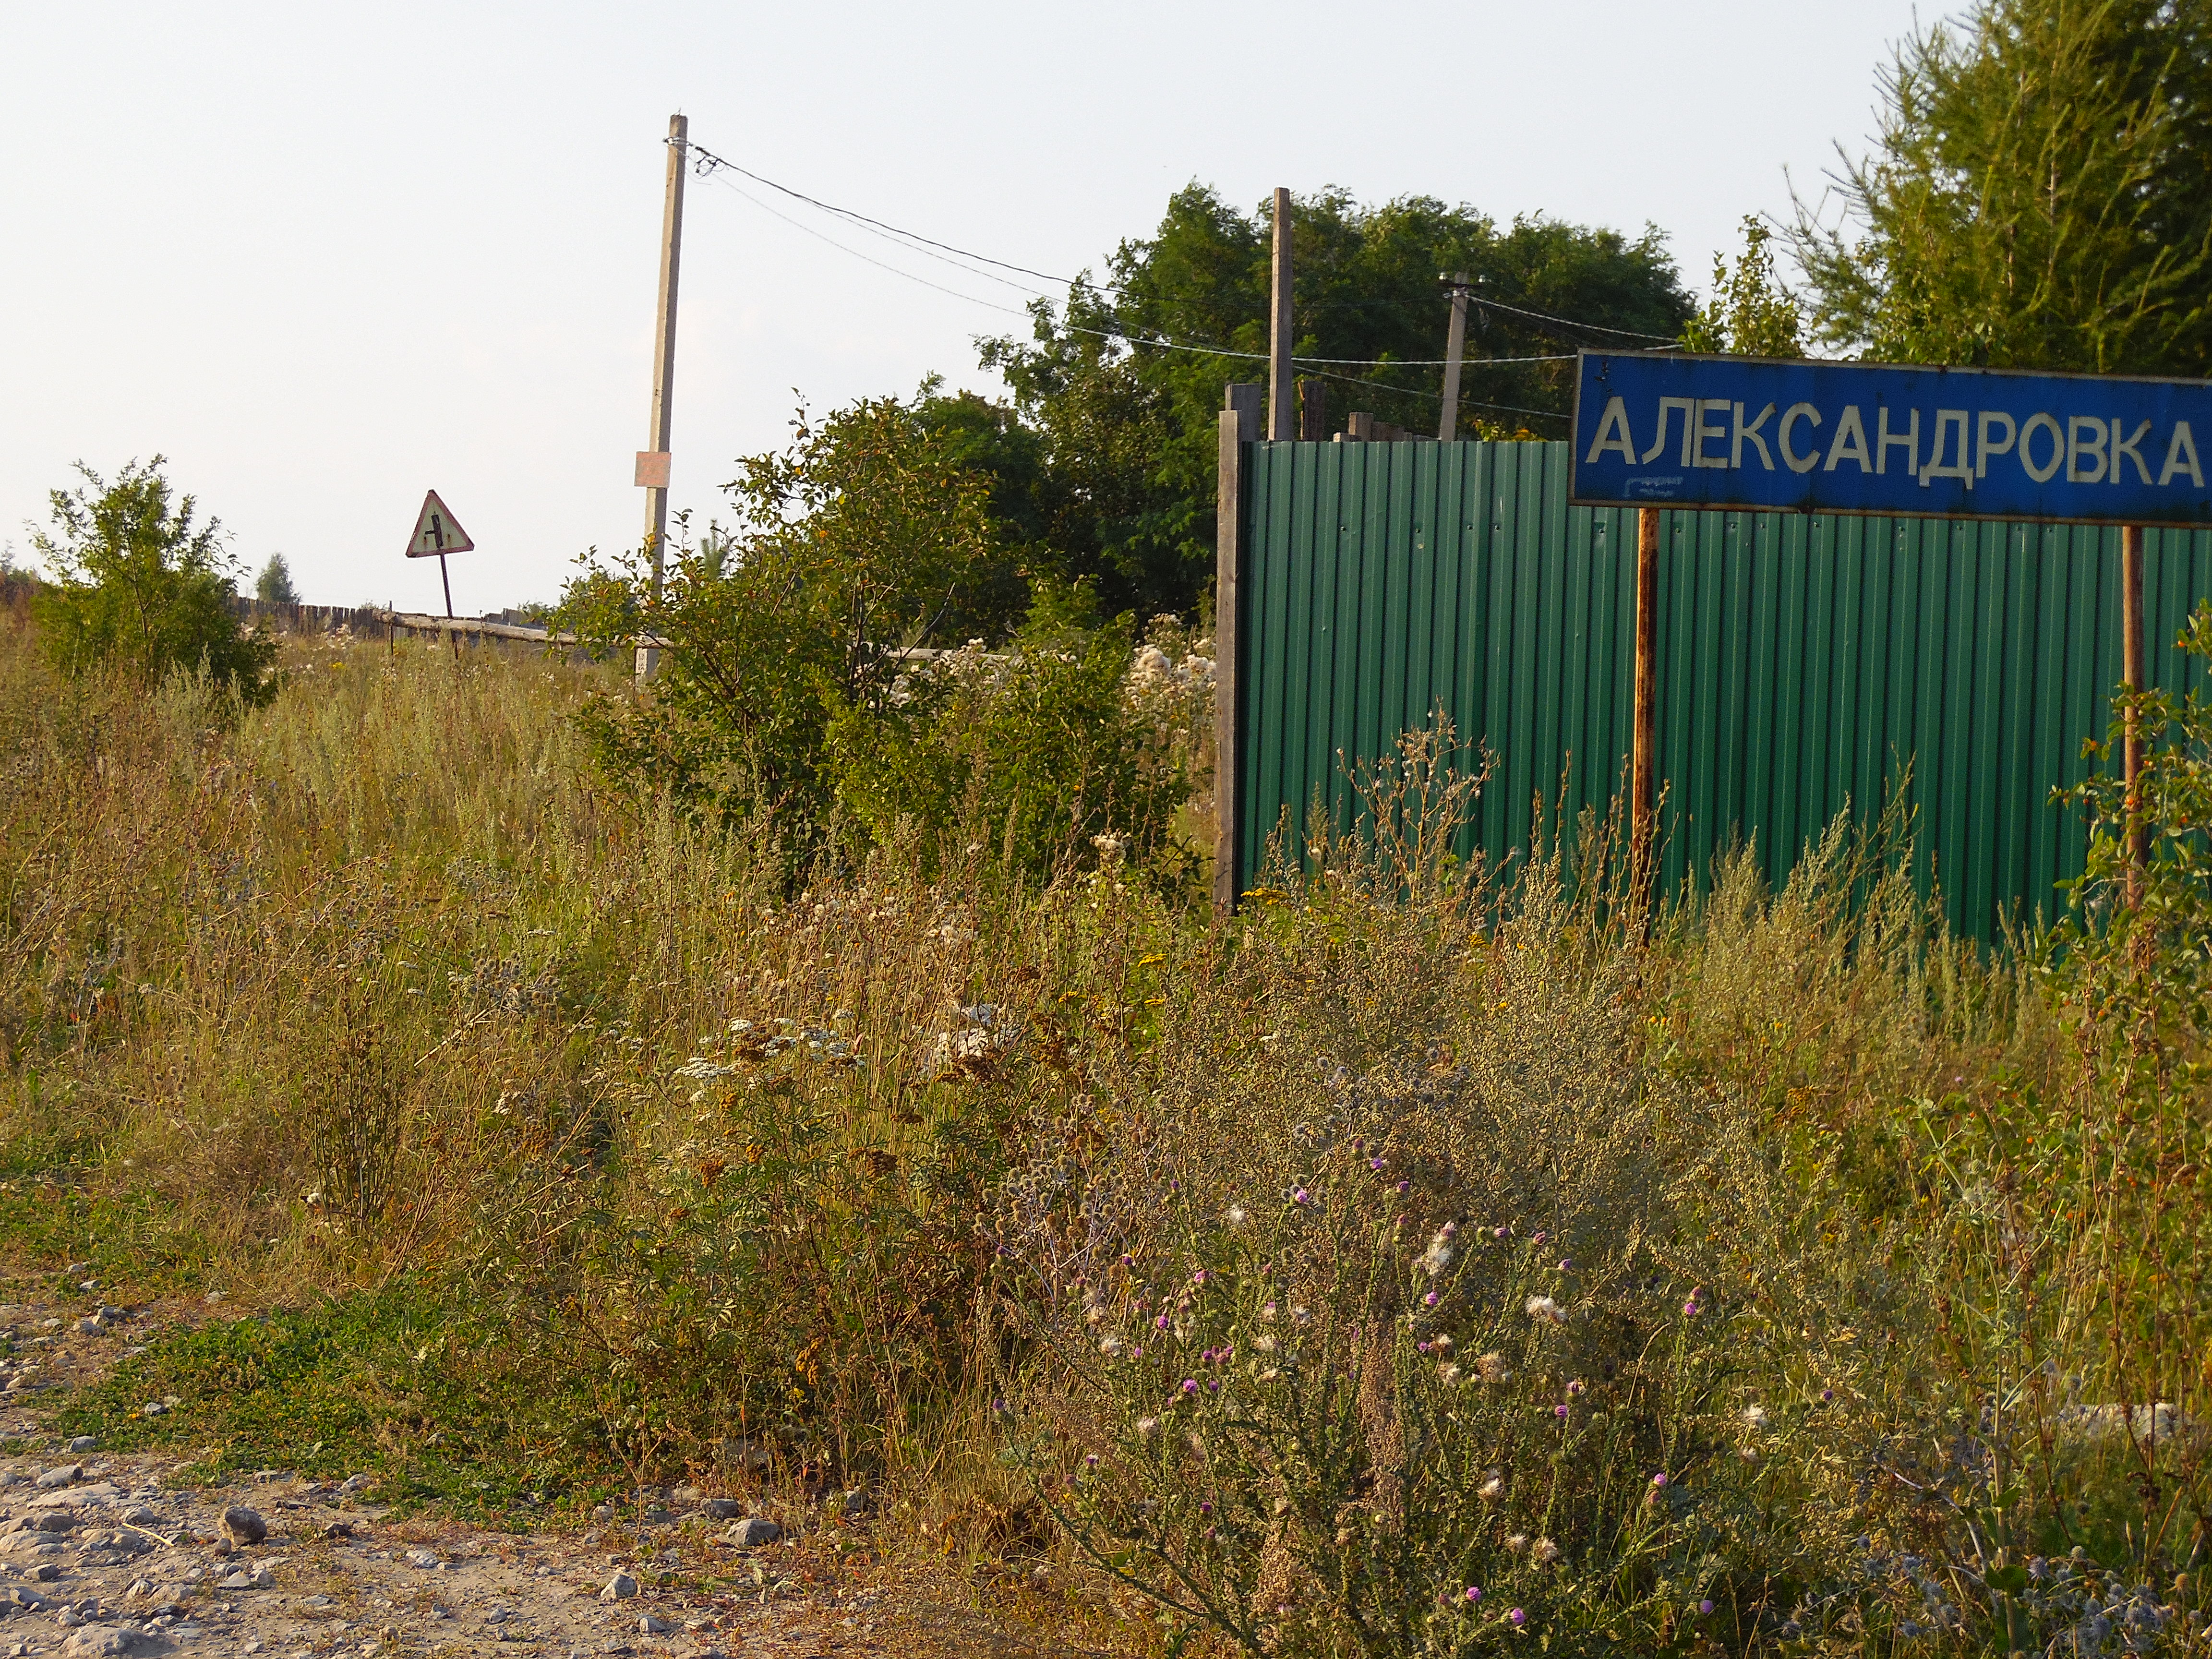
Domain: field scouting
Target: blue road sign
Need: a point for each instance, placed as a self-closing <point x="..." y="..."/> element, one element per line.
<point x="1654" y="429"/>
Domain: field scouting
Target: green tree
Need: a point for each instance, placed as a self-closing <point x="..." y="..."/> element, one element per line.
<point x="2040" y="195"/>
<point x="1751" y="313"/>
<point x="137" y="584"/>
<point x="1123" y="480"/>
<point x="273" y="585"/>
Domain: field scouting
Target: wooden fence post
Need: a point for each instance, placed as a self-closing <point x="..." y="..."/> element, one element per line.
<point x="1313" y="411"/>
<point x="1240" y="423"/>
<point x="1643" y="756"/>
<point x="1282" y="425"/>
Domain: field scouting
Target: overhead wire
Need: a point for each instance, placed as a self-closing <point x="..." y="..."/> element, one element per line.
<point x="1438" y="396"/>
<point x="709" y="164"/>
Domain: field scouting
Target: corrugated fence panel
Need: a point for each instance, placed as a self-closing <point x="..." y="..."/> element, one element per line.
<point x="1807" y="666"/>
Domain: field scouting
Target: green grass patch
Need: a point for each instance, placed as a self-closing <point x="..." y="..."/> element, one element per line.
<point x="387" y="1382"/>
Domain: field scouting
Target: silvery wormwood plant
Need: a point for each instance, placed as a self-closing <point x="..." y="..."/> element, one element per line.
<point x="1310" y="1420"/>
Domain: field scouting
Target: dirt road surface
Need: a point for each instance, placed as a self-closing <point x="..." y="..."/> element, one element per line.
<point x="115" y="1555"/>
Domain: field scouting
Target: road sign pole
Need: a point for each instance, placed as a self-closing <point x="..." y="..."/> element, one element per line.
<point x="664" y="360"/>
<point x="1643" y="756"/>
<point x="2131" y="683"/>
<point x="451" y="638"/>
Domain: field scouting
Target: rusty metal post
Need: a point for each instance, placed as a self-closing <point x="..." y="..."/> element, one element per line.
<point x="2131" y="681"/>
<point x="1643" y="757"/>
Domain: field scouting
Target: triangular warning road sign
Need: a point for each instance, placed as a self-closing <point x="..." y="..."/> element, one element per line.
<point x="437" y="531"/>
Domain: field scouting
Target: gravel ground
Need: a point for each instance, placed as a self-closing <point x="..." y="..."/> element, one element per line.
<point x="103" y="1554"/>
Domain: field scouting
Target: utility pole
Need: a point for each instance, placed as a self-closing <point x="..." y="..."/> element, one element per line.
<point x="1454" y="349"/>
<point x="1282" y="418"/>
<point x="652" y="462"/>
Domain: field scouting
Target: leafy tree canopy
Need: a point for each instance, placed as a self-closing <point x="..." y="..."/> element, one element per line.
<point x="1751" y="312"/>
<point x="1112" y="469"/>
<point x="2040" y="195"/>
<point x="273" y="585"/>
<point x="138" y="584"/>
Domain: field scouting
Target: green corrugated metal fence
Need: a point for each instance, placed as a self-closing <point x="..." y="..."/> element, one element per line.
<point x="1801" y="660"/>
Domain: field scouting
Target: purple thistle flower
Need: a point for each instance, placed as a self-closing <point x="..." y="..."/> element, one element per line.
<point x="1403" y="1185"/>
<point x="1300" y="1195"/>
<point x="1705" y="1607"/>
<point x="1190" y="1385"/>
<point x="1375" y="1163"/>
<point x="1430" y="1300"/>
<point x="1559" y="1412"/>
<point x="1658" y="1480"/>
<point x="1475" y="1592"/>
<point x="1498" y="1232"/>
<point x="1518" y="1617"/>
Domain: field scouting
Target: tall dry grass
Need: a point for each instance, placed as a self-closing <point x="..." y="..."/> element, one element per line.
<point x="671" y="1163"/>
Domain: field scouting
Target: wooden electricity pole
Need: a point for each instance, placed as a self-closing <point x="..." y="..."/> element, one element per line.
<point x="1454" y="349"/>
<point x="2131" y="681"/>
<point x="1644" y="757"/>
<point x="1282" y="417"/>
<point x="652" y="462"/>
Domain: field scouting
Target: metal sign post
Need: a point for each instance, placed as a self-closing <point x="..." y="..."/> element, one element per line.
<point x="438" y="532"/>
<point x="1747" y="432"/>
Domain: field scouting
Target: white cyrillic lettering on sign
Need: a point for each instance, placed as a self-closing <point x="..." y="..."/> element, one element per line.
<point x="1693" y="443"/>
<point x="1851" y="444"/>
<point x="1791" y="458"/>
<point x="2077" y="446"/>
<point x="1951" y="419"/>
<point x="1689" y="407"/>
<point x="1613" y="434"/>
<point x="2183" y="447"/>
<point x="1750" y="434"/>
<point x="1908" y="441"/>
<point x="1984" y="448"/>
<point x="2129" y="450"/>
<point x="2039" y="423"/>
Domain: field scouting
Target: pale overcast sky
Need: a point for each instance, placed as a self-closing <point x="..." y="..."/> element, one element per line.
<point x="326" y="257"/>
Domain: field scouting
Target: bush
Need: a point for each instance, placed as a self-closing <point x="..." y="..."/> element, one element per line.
<point x="1035" y="756"/>
<point x="802" y="693"/>
<point x="136" y="584"/>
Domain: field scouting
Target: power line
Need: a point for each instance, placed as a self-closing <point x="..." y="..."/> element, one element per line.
<point x="1158" y="342"/>
<point x="1011" y="310"/>
<point x="709" y="165"/>
<point x="713" y="161"/>
<point x="1438" y="396"/>
<point x="1594" y="328"/>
